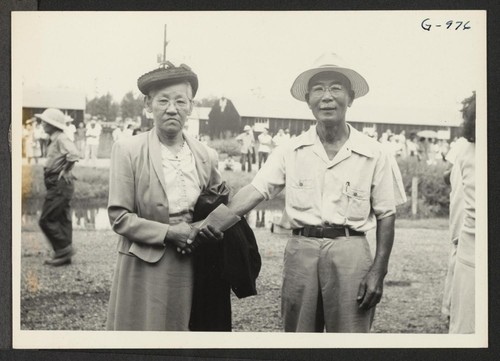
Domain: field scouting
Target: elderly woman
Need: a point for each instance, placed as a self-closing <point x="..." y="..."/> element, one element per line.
<point x="155" y="180"/>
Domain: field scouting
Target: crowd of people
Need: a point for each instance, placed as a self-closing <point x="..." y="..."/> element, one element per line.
<point x="86" y="136"/>
<point x="429" y="149"/>
<point x="256" y="150"/>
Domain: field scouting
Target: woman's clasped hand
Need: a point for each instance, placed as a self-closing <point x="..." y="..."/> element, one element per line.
<point x="188" y="237"/>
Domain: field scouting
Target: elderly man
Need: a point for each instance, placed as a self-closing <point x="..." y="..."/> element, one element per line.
<point x="339" y="185"/>
<point x="62" y="154"/>
<point x="156" y="178"/>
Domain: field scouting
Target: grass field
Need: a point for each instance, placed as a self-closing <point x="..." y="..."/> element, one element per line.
<point x="75" y="297"/>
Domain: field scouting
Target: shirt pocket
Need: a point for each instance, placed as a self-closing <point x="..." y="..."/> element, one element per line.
<point x="301" y="194"/>
<point x="358" y="204"/>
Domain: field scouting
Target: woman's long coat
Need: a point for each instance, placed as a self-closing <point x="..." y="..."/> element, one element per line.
<point x="152" y="284"/>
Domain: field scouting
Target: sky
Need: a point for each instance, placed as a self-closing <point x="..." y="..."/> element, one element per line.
<point x="254" y="57"/>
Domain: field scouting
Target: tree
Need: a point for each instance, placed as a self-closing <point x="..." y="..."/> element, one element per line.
<point x="103" y="106"/>
<point x="131" y="106"/>
<point x="206" y="102"/>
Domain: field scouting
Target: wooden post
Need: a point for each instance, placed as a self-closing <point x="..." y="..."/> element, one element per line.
<point x="165" y="43"/>
<point x="414" y="196"/>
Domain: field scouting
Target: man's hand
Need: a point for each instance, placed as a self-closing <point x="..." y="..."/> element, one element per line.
<point x="371" y="289"/>
<point x="210" y="234"/>
<point x="372" y="286"/>
<point x="206" y="234"/>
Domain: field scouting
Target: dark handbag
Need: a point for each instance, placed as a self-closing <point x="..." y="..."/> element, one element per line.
<point x="210" y="199"/>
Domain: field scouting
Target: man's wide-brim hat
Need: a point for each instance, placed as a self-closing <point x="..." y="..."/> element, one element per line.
<point x="167" y="75"/>
<point x="328" y="62"/>
<point x="54" y="117"/>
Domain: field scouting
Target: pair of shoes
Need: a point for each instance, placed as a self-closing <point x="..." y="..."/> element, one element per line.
<point x="61" y="260"/>
<point x="56" y="262"/>
<point x="64" y="251"/>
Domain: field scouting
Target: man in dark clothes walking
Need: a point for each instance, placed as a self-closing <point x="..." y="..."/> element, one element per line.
<point x="55" y="220"/>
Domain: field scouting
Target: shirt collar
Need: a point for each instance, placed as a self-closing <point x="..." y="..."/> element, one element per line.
<point x="357" y="142"/>
<point x="308" y="138"/>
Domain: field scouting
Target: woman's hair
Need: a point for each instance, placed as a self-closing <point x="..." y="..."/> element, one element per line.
<point x="469" y="116"/>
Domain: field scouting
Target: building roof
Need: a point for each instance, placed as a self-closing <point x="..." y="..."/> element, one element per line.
<point x="263" y="108"/>
<point x="54" y="98"/>
<point x="359" y="112"/>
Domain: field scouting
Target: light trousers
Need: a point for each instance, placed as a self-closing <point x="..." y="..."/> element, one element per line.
<point x="321" y="279"/>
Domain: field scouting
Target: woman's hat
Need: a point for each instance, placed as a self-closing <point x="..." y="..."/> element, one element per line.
<point x="328" y="62"/>
<point x="167" y="76"/>
<point x="54" y="117"/>
<point x="247" y="127"/>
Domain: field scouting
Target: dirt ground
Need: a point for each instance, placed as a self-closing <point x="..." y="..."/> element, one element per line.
<point x="75" y="297"/>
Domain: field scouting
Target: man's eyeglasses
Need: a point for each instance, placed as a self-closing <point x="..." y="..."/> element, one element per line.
<point x="320" y="90"/>
<point x="178" y="103"/>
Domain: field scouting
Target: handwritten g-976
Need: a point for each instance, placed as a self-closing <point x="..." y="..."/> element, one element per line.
<point x="450" y="24"/>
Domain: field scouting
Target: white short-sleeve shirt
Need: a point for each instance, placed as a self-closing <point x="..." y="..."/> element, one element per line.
<point x="361" y="184"/>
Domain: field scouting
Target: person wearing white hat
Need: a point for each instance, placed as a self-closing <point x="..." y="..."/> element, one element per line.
<point x="247" y="141"/>
<point x="339" y="184"/>
<point x="62" y="154"/>
<point x="92" y="135"/>
<point x="265" y="146"/>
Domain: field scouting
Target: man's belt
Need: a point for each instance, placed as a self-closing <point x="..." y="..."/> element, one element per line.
<point x="326" y="232"/>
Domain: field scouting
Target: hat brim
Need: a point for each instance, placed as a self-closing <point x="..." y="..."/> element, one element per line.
<point x="358" y="83"/>
<point x="51" y="122"/>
